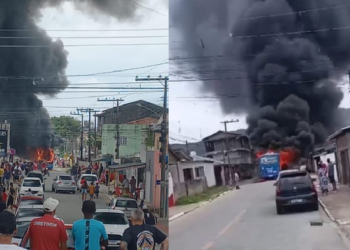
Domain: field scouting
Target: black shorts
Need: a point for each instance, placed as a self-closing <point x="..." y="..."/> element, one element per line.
<point x="331" y="179"/>
<point x="16" y="177"/>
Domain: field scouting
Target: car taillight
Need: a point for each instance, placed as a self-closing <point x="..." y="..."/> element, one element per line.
<point x="278" y="191"/>
<point x="60" y="182"/>
<point x="73" y="183"/>
<point x="313" y="187"/>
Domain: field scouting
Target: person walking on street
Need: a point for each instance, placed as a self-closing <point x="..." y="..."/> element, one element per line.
<point x="47" y="232"/>
<point x="16" y="174"/>
<point x="7" y="231"/>
<point x="331" y="174"/>
<point x="97" y="190"/>
<point x="89" y="234"/>
<point x="11" y="197"/>
<point x="142" y="236"/>
<point x="149" y="217"/>
<point x="237" y="180"/>
<point x="125" y="185"/>
<point x="84" y="188"/>
<point x="92" y="191"/>
<point x="2" y="171"/>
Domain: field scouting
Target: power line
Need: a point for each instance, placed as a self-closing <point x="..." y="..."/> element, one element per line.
<point x="82" y="75"/>
<point x="82" y="30"/>
<point x="147" y="8"/>
<point x="81" y="37"/>
<point x="85" y="45"/>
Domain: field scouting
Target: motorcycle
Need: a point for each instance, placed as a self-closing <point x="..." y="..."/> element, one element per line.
<point x="45" y="172"/>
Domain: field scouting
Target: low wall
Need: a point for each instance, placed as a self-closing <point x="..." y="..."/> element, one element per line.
<point x="189" y="188"/>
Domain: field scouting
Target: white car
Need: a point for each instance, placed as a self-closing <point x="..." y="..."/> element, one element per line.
<point x="34" y="184"/>
<point x="89" y="178"/>
<point x="115" y="222"/>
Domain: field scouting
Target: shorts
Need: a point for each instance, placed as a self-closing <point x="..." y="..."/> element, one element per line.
<point x="83" y="191"/>
<point x="16" y="177"/>
<point x="331" y="179"/>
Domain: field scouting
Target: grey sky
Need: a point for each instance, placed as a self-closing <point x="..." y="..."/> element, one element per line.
<point x="86" y="60"/>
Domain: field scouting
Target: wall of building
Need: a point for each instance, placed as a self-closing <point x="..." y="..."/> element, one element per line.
<point x="208" y="171"/>
<point x="135" y="139"/>
<point x="343" y="143"/>
<point x="145" y="121"/>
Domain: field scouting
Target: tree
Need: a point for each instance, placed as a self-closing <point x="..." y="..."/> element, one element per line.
<point x="66" y="126"/>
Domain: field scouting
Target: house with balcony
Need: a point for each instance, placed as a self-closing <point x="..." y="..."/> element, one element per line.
<point x="235" y="156"/>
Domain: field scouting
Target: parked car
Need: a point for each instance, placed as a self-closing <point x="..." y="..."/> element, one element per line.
<point x="295" y="188"/>
<point x="34" y="184"/>
<point x="39" y="175"/>
<point x="30" y="200"/>
<point x="126" y="205"/>
<point x="64" y="183"/>
<point x="30" y="213"/>
<point x="22" y="226"/>
<point x="25" y="243"/>
<point x="115" y="222"/>
<point x="89" y="178"/>
<point x="28" y="207"/>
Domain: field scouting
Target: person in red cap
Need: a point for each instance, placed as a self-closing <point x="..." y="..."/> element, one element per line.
<point x="48" y="232"/>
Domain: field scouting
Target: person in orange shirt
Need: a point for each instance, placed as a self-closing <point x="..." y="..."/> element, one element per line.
<point x="92" y="191"/>
<point x="48" y="232"/>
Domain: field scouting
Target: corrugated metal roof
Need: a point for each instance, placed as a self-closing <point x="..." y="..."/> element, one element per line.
<point x="338" y="133"/>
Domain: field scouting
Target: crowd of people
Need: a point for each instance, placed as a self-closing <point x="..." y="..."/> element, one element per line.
<point x="49" y="232"/>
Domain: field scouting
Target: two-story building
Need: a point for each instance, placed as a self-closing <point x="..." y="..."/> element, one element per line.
<point x="236" y="154"/>
<point x="342" y="159"/>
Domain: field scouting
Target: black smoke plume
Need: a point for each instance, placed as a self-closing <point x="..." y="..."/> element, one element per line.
<point x="281" y="62"/>
<point x="19" y="104"/>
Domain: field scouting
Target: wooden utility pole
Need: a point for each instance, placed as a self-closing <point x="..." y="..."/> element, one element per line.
<point x="81" y="134"/>
<point x="163" y="139"/>
<point x="88" y="110"/>
<point x="95" y="122"/>
<point x="231" y="175"/>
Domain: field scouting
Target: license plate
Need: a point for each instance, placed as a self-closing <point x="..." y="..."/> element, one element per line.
<point x="113" y="242"/>
<point x="297" y="201"/>
<point x="66" y="183"/>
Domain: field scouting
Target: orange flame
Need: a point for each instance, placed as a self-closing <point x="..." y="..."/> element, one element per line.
<point x="45" y="154"/>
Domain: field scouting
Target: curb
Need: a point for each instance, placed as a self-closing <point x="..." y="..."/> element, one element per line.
<point x="178" y="215"/>
<point x="331" y="217"/>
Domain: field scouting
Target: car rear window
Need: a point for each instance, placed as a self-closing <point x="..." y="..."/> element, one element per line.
<point x="35" y="175"/>
<point x="31" y="202"/>
<point x="31" y="183"/>
<point x="126" y="203"/>
<point x="66" y="178"/>
<point x="293" y="174"/>
<point x="295" y="178"/>
<point x="111" y="218"/>
<point x="90" y="178"/>
<point x="31" y="213"/>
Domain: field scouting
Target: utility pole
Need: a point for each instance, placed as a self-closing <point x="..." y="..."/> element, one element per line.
<point x="231" y="175"/>
<point x="95" y="122"/>
<point x="81" y="134"/>
<point x="117" y="121"/>
<point x="163" y="140"/>
<point x="88" y="110"/>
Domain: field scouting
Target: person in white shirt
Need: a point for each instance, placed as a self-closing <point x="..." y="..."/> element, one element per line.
<point x="126" y="184"/>
<point x="7" y="231"/>
<point x="237" y="180"/>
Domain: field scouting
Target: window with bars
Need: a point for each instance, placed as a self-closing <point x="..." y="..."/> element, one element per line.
<point x="123" y="140"/>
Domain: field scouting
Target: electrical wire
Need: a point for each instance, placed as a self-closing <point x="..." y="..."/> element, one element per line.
<point x="85" y="45"/>
<point x="147" y="8"/>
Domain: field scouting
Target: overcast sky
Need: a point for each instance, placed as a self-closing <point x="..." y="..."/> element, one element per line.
<point x="87" y="60"/>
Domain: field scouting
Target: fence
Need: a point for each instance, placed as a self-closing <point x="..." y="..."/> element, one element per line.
<point x="189" y="188"/>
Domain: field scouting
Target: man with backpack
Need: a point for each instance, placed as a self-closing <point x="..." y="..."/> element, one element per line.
<point x="16" y="174"/>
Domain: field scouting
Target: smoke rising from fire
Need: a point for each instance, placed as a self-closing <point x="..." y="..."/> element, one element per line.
<point x="287" y="81"/>
<point x="19" y="104"/>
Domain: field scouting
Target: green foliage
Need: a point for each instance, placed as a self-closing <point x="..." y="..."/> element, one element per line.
<point x="66" y="126"/>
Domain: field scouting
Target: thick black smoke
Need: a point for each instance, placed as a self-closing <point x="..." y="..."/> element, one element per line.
<point x="287" y="81"/>
<point x="19" y="104"/>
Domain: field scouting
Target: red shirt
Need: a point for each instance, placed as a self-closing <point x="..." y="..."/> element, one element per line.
<point x="47" y="233"/>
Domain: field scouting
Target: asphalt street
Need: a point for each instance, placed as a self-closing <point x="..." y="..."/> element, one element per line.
<point x="69" y="208"/>
<point x="246" y="219"/>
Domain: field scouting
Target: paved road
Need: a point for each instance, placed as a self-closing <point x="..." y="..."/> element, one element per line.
<point x="70" y="204"/>
<point x="246" y="219"/>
